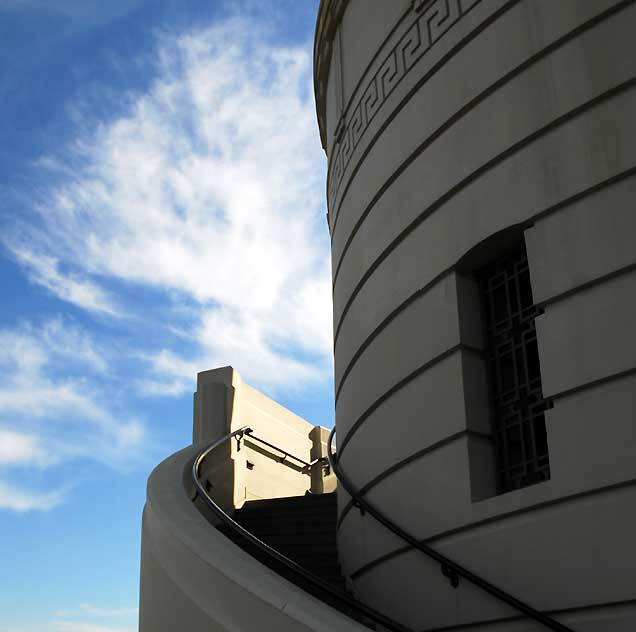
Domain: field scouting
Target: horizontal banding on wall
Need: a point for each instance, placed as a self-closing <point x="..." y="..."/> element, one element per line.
<point x="620" y="356"/>
<point x="490" y="520"/>
<point x="447" y="396"/>
<point x="398" y="63"/>
<point x="486" y="77"/>
<point x="463" y="434"/>
<point x="581" y="197"/>
<point x="555" y="275"/>
<point x="544" y="164"/>
<point x="611" y="205"/>
<point x="549" y="523"/>
<point x="473" y="180"/>
<point x="419" y="337"/>
<point x="565" y="257"/>
<point x="331" y="144"/>
<point x="475" y="176"/>
<point x="588" y="335"/>
<point x="566" y="419"/>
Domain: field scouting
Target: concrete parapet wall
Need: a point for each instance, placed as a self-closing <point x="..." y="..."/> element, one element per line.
<point x="194" y="578"/>
<point x="224" y="403"/>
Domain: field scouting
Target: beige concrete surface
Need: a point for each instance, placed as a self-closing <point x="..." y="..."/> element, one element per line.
<point x="193" y="578"/>
<point x="223" y="403"/>
<point x="460" y="123"/>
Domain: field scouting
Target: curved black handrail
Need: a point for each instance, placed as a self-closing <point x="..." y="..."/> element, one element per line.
<point x="343" y="598"/>
<point x="450" y="569"/>
<point x="306" y="465"/>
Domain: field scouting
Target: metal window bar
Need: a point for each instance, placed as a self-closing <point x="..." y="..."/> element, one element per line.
<point x="516" y="393"/>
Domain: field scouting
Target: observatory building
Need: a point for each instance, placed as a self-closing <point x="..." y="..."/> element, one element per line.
<point x="481" y="187"/>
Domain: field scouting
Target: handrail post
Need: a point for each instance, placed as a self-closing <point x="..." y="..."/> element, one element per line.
<point x="322" y="481"/>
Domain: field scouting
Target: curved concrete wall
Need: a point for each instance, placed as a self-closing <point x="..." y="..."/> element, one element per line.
<point x="194" y="578"/>
<point x="446" y="122"/>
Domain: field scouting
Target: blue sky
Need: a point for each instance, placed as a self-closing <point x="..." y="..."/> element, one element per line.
<point x="161" y="213"/>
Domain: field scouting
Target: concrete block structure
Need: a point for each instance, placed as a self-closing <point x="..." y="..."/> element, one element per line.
<point x="481" y="186"/>
<point x="193" y="577"/>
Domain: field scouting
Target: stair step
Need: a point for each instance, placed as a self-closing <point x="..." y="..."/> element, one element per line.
<point x="311" y="544"/>
<point x="279" y="525"/>
<point x="306" y="499"/>
<point x="302" y="528"/>
<point x="301" y="503"/>
<point x="286" y="528"/>
<point x="297" y="513"/>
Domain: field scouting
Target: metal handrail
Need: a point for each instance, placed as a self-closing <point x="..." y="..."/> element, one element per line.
<point x="306" y="464"/>
<point x="450" y="569"/>
<point x="317" y="582"/>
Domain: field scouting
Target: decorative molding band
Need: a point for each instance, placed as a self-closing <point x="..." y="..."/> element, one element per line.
<point x="492" y="520"/>
<point x="606" y="379"/>
<point x="392" y="316"/>
<point x="550" y="301"/>
<point x="473" y="176"/>
<point x="409" y="459"/>
<point x="614" y="274"/>
<point x="329" y="16"/>
<point x="432" y="22"/>
<point x="401" y="384"/>
<point x="465" y="109"/>
<point x="620" y="177"/>
<point x="487" y="623"/>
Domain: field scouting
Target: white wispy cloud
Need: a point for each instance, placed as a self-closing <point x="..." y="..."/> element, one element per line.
<point x="205" y="192"/>
<point x="17" y="447"/>
<point x="44" y="270"/>
<point x="55" y="407"/>
<point x="86" y="13"/>
<point x="18" y="498"/>
<point x="209" y="190"/>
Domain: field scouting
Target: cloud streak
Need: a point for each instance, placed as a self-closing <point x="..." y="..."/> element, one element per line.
<point x="206" y="194"/>
<point x="210" y="191"/>
<point x="20" y="499"/>
<point x="44" y="270"/>
<point x="55" y="407"/>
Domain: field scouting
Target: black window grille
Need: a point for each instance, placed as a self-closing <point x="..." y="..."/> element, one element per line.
<point x="517" y="398"/>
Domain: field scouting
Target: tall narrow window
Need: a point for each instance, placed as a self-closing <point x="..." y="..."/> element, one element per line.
<point x="517" y="398"/>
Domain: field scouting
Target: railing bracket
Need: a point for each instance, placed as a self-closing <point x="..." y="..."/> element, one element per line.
<point x="359" y="506"/>
<point x="271" y="557"/>
<point x="453" y="577"/>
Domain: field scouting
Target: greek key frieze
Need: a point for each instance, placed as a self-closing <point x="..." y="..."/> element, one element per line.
<point x="372" y="101"/>
<point x="439" y="17"/>
<point x="357" y="124"/>
<point x="391" y="73"/>
<point x="431" y="23"/>
<point x="410" y="46"/>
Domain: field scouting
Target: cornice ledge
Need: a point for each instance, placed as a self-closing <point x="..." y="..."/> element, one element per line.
<point x="329" y="16"/>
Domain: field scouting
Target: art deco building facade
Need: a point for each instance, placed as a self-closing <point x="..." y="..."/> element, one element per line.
<point x="481" y="195"/>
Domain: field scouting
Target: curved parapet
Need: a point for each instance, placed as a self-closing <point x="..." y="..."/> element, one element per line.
<point x="194" y="578"/>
